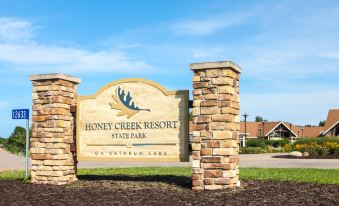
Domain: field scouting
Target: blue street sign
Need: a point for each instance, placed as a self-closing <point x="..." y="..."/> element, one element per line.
<point x="20" y="114"/>
<point x="23" y="114"/>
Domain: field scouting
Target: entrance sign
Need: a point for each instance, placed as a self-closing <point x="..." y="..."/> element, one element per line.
<point x="23" y="114"/>
<point x="133" y="120"/>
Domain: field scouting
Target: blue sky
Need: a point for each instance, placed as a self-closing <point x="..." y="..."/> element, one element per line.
<point x="288" y="50"/>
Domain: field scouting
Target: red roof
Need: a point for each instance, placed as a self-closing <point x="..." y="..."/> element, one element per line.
<point x="332" y="119"/>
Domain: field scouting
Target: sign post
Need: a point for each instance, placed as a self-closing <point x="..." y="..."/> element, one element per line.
<point x="23" y="114"/>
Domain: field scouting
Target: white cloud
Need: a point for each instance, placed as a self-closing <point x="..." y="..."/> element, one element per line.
<point x="12" y="29"/>
<point x="33" y="56"/>
<point x="47" y="58"/>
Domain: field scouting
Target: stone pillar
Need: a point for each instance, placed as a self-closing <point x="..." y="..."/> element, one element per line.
<point x="53" y="125"/>
<point x="216" y="125"/>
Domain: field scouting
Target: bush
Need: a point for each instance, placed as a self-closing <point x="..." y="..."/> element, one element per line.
<point x="3" y="141"/>
<point x="287" y="148"/>
<point x="258" y="150"/>
<point x="251" y="150"/>
<point x="264" y="143"/>
<point x="278" y="143"/>
<point x="256" y="143"/>
<point x="318" y="146"/>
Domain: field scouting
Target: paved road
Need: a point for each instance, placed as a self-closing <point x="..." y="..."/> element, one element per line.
<point x="10" y="162"/>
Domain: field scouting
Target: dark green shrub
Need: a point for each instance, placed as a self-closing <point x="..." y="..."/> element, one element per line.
<point x="264" y="143"/>
<point x="256" y="143"/>
<point x="278" y="143"/>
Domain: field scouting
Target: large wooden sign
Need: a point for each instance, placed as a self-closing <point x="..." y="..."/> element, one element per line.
<point x="133" y="120"/>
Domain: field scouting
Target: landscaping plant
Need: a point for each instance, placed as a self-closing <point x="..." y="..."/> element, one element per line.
<point x="256" y="146"/>
<point x="322" y="146"/>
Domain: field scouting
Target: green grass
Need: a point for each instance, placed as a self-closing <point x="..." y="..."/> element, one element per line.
<point x="176" y="171"/>
<point x="12" y="175"/>
<point x="324" y="176"/>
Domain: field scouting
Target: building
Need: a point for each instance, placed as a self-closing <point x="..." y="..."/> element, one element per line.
<point x="279" y="130"/>
<point x="331" y="128"/>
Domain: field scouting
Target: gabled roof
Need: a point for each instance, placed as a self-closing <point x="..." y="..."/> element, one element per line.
<point x="286" y="124"/>
<point x="332" y="120"/>
<point x="255" y="128"/>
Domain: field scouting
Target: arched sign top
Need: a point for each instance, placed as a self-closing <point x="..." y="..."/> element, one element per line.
<point x="131" y="80"/>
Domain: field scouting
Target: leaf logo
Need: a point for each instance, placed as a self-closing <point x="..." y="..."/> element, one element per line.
<point x="125" y="104"/>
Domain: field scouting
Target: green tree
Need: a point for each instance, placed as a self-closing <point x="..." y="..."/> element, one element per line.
<point x="321" y="123"/>
<point x="18" y="138"/>
<point x="259" y="119"/>
<point x="16" y="142"/>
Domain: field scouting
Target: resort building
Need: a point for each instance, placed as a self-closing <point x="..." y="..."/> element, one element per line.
<point x="331" y="128"/>
<point x="279" y="130"/>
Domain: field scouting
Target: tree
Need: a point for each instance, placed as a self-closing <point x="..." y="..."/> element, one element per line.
<point x="16" y="142"/>
<point x="259" y="119"/>
<point x="322" y="123"/>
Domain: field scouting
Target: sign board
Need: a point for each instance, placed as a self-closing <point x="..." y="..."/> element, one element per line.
<point x="20" y="114"/>
<point x="133" y="120"/>
<point x="23" y="114"/>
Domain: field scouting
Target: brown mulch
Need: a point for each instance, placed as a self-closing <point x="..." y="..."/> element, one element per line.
<point x="164" y="190"/>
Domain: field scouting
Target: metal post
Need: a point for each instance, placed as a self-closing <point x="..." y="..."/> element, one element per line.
<point x="27" y="146"/>
<point x="245" y="115"/>
<point x="290" y="133"/>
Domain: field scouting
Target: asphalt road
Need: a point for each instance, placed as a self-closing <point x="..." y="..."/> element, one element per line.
<point x="13" y="162"/>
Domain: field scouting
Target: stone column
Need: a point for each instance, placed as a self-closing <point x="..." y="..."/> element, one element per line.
<point x="216" y="125"/>
<point x="53" y="125"/>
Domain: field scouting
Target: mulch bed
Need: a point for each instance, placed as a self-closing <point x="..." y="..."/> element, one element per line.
<point x="164" y="190"/>
<point x="307" y="157"/>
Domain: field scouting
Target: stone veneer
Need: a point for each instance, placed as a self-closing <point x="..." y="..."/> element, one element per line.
<point x="53" y="162"/>
<point x="216" y="125"/>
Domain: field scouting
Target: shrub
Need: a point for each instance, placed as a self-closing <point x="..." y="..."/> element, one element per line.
<point x="287" y="148"/>
<point x="261" y="143"/>
<point x="251" y="150"/>
<point x="318" y="146"/>
<point x="264" y="143"/>
<point x="3" y="141"/>
<point x="258" y="150"/>
<point x="278" y="143"/>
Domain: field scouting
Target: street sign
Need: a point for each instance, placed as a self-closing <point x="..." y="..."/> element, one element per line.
<point x="20" y="114"/>
<point x="23" y="114"/>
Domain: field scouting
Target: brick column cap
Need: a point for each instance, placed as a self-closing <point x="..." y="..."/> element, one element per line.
<point x="55" y="76"/>
<point x="216" y="65"/>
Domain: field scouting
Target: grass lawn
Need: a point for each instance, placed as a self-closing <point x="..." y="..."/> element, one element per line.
<point x="325" y="176"/>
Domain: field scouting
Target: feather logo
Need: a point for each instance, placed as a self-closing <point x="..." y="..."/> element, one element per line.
<point x="124" y="103"/>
